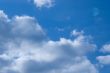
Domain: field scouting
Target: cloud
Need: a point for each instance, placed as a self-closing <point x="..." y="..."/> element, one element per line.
<point x="105" y="48"/>
<point x="20" y="27"/>
<point x="3" y="17"/>
<point x="44" y="3"/>
<point x="105" y="60"/>
<point x="25" y="48"/>
<point x="83" y="66"/>
<point x="76" y="33"/>
<point x="77" y="65"/>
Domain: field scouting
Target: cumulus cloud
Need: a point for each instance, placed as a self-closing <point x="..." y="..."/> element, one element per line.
<point x="20" y="27"/>
<point x="25" y="49"/>
<point x="44" y="3"/>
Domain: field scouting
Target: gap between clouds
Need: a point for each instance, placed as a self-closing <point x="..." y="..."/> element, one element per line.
<point x="25" y="48"/>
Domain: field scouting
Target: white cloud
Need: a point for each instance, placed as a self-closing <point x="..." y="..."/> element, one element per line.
<point x="21" y="27"/>
<point x="25" y="50"/>
<point x="105" y="60"/>
<point x="27" y="27"/>
<point x="76" y="33"/>
<point x="105" y="48"/>
<point x="3" y="16"/>
<point x="44" y="3"/>
<point x="83" y="66"/>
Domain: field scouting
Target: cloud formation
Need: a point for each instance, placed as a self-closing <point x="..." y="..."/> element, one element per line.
<point x="25" y="49"/>
<point x="44" y="3"/>
<point x="76" y="33"/>
<point x="105" y="48"/>
<point x="105" y="60"/>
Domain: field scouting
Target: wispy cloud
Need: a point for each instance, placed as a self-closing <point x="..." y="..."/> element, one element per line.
<point x="105" y="60"/>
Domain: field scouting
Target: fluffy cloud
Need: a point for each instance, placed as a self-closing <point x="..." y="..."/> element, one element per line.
<point x="77" y="65"/>
<point x="20" y="27"/>
<point x="25" y="49"/>
<point x="44" y="3"/>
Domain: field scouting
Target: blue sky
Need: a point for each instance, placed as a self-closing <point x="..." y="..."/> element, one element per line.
<point x="57" y="36"/>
